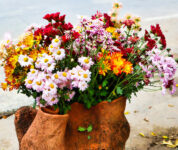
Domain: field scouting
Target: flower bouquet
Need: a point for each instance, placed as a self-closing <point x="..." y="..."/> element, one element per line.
<point x="71" y="70"/>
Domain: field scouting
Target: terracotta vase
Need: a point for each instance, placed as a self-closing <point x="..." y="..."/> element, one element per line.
<point x="50" y="110"/>
<point x="110" y="127"/>
<point x="24" y="116"/>
<point x="46" y="132"/>
<point x="60" y="132"/>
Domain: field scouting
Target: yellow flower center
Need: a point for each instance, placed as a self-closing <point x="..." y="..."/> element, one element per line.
<point x="53" y="99"/>
<point x="48" y="77"/>
<point x="30" y="81"/>
<point x="56" y="76"/>
<point x="51" y="46"/>
<point x="86" y="60"/>
<point x="79" y="73"/>
<point x="49" y="65"/>
<point x="33" y="71"/>
<point x="85" y="75"/>
<point x="56" y="40"/>
<point x="64" y="74"/>
<point x="51" y="85"/>
<point x="25" y="59"/>
<point x="8" y="41"/>
<point x="38" y="82"/>
<point x="46" y="60"/>
<point x="58" y="52"/>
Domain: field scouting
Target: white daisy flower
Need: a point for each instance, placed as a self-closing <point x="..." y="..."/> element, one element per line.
<point x="82" y="85"/>
<point x="38" y="83"/>
<point x="59" y="54"/>
<point x="50" y="67"/>
<point x="56" y="42"/>
<point x="64" y="76"/>
<point x="51" y="86"/>
<point x="52" y="101"/>
<point x="86" y="62"/>
<point x="24" y="60"/>
<point x="47" y="59"/>
<point x="33" y="73"/>
<point x="28" y="83"/>
<point x="56" y="77"/>
<point x="86" y="75"/>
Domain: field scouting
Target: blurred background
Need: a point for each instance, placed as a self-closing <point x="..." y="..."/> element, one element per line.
<point x="16" y="15"/>
<point x="147" y="113"/>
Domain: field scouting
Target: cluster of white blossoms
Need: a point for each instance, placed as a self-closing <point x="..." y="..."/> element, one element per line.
<point x="43" y="80"/>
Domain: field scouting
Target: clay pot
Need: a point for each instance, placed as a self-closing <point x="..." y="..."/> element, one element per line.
<point x="110" y="127"/>
<point x="60" y="132"/>
<point x="46" y="132"/>
<point x="24" y="116"/>
<point x="50" y="110"/>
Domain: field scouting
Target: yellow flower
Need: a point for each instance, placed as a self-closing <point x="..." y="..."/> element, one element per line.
<point x="111" y="29"/>
<point x="104" y="68"/>
<point x="137" y="19"/>
<point x="128" y="16"/>
<point x="128" y="67"/>
<point x="4" y="86"/>
<point x="115" y="35"/>
<point x="117" y="5"/>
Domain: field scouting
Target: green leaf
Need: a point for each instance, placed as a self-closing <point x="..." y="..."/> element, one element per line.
<point x="66" y="97"/>
<point x="34" y="94"/>
<point x="34" y="104"/>
<point x="119" y="90"/>
<point x="91" y="92"/>
<point x="109" y="100"/>
<point x="81" y="129"/>
<point x="89" y="137"/>
<point x="55" y="107"/>
<point x="88" y="105"/>
<point x="90" y="128"/>
<point x="105" y="82"/>
<point x="103" y="93"/>
<point x="43" y="102"/>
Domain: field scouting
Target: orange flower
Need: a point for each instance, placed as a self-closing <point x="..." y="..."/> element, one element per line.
<point x="4" y="86"/>
<point x="119" y="64"/>
<point x="104" y="67"/>
<point x="128" y="67"/>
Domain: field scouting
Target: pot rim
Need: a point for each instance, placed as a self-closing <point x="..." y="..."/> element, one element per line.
<point x="53" y="115"/>
<point x="105" y="102"/>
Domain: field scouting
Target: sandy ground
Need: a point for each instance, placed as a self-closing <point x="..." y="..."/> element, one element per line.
<point x="148" y="112"/>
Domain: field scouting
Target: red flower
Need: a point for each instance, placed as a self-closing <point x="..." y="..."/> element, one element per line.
<point x="55" y="16"/>
<point x="108" y="21"/>
<point x="62" y="18"/>
<point x="57" y="24"/>
<point x="126" y="51"/>
<point x="157" y="31"/>
<point x="151" y="44"/>
<point x="147" y="35"/>
<point x="97" y="15"/>
<point x="163" y="41"/>
<point x="64" y="38"/>
<point x="75" y="34"/>
<point x="50" y="31"/>
<point x="48" y="17"/>
<point x="133" y="39"/>
<point x="67" y="26"/>
<point x="128" y="23"/>
<point x="39" y="31"/>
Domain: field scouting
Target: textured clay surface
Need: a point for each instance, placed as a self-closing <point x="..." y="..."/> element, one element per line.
<point x="24" y="116"/>
<point x="60" y="132"/>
